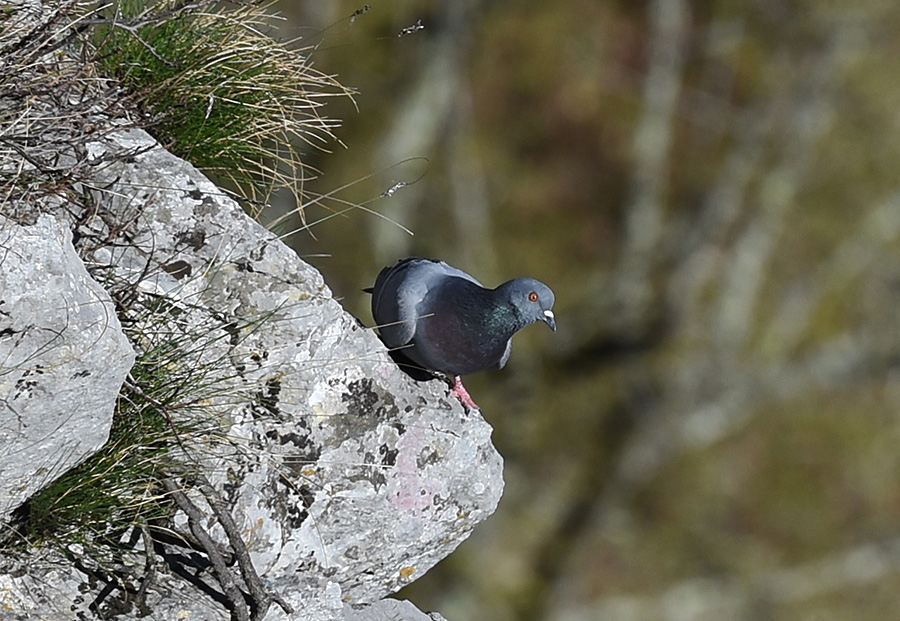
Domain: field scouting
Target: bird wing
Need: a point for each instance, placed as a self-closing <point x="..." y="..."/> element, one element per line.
<point x="442" y="269"/>
<point x="391" y="315"/>
<point x="400" y="289"/>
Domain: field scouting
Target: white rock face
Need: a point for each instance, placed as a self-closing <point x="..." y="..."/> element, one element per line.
<point x="393" y="609"/>
<point x="339" y="466"/>
<point x="346" y="479"/>
<point x="63" y="359"/>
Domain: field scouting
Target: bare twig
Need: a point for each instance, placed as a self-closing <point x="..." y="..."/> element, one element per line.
<point x="260" y="596"/>
<point x="235" y="597"/>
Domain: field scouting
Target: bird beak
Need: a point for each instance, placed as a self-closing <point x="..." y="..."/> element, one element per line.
<point x="550" y="319"/>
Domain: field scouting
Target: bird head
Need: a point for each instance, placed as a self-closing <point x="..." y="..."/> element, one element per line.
<point x="533" y="301"/>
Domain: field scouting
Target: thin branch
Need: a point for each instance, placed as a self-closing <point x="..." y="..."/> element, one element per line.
<point x="235" y="597"/>
<point x="260" y="596"/>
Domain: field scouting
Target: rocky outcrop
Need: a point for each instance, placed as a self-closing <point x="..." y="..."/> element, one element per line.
<point x="307" y="476"/>
<point x="63" y="358"/>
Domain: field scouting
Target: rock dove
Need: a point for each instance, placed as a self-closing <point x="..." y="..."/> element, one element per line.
<point x="442" y="320"/>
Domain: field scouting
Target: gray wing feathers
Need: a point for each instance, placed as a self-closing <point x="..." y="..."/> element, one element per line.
<point x="391" y="312"/>
<point x="399" y="294"/>
<point x="442" y="269"/>
<point x="409" y="294"/>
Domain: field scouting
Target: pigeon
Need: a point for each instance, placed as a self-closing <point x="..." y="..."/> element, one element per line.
<point x="437" y="318"/>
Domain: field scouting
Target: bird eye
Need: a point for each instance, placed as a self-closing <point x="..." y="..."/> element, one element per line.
<point x="533" y="296"/>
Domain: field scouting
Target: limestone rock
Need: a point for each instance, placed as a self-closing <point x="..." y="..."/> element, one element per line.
<point x="391" y="610"/>
<point x="345" y="478"/>
<point x="63" y="359"/>
<point x="338" y="465"/>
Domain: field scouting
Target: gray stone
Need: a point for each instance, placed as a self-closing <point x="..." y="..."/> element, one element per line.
<point x="346" y="479"/>
<point x="391" y="610"/>
<point x="63" y="359"/>
<point x="338" y="465"/>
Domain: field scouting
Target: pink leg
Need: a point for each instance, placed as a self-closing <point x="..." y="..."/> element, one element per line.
<point x="462" y="394"/>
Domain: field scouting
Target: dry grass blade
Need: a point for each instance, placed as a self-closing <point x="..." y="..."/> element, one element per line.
<point x="222" y="93"/>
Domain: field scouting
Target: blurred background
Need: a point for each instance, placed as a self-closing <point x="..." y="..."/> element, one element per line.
<point x="712" y="190"/>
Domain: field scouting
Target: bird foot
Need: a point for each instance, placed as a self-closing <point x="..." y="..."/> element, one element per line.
<point x="460" y="392"/>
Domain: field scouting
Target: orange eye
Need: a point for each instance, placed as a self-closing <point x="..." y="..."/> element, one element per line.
<point x="533" y="296"/>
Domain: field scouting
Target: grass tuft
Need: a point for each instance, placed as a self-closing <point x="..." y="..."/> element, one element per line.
<point x="219" y="92"/>
<point x="166" y="415"/>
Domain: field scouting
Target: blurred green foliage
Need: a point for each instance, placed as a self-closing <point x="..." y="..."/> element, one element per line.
<point x="710" y="188"/>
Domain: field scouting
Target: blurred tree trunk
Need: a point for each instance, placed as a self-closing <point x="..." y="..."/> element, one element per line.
<point x="711" y="190"/>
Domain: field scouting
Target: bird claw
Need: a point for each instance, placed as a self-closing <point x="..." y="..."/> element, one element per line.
<point x="459" y="391"/>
